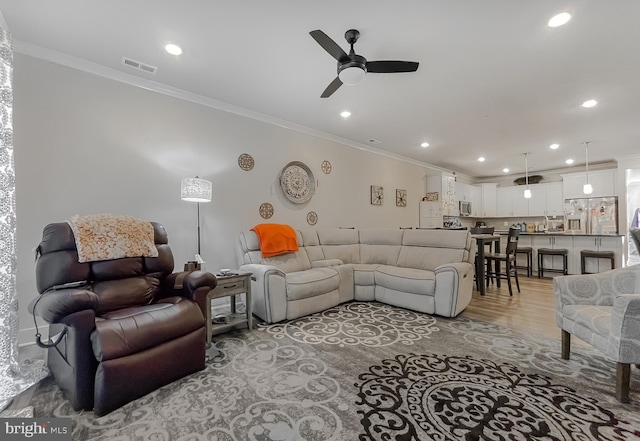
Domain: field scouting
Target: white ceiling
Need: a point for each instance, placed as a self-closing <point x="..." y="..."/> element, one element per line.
<point x="494" y="80"/>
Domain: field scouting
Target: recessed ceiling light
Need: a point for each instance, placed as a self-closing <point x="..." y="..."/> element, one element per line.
<point x="505" y="170"/>
<point x="345" y="114"/>
<point x="424" y="144"/>
<point x="173" y="49"/>
<point x="554" y="146"/>
<point x="481" y="159"/>
<point x="559" y="19"/>
<point x="589" y="103"/>
<point x="569" y="161"/>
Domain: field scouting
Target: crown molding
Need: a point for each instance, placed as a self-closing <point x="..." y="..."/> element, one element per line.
<point x="157" y="87"/>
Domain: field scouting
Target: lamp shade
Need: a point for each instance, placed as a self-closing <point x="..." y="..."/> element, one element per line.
<point x="195" y="190"/>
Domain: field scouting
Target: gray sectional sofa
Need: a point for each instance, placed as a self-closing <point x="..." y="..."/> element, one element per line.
<point x="428" y="271"/>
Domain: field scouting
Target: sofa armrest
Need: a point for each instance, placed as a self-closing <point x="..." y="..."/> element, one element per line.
<point x="454" y="284"/>
<point x="54" y="305"/>
<point x="326" y="263"/>
<point x="268" y="292"/>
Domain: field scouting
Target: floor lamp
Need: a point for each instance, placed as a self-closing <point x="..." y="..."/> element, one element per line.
<point x="196" y="190"/>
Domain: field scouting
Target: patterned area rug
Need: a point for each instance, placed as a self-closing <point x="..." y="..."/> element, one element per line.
<point x="367" y="371"/>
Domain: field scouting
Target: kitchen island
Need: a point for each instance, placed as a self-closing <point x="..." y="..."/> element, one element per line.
<point x="574" y="243"/>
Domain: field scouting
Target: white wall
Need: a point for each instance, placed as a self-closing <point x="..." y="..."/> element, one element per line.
<point x="85" y="144"/>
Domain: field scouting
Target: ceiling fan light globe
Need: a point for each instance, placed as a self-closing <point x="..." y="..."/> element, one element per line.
<point x="351" y="75"/>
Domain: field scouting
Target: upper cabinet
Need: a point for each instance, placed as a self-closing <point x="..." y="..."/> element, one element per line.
<point x="602" y="181"/>
<point x="470" y="193"/>
<point x="546" y="200"/>
<point x="445" y="186"/>
<point x="488" y="197"/>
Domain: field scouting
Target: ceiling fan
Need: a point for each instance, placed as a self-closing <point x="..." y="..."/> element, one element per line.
<point x="352" y="67"/>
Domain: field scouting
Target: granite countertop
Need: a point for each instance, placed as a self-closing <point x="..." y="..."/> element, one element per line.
<point x="557" y="233"/>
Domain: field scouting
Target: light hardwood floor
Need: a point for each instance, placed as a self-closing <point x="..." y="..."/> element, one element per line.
<point x="531" y="310"/>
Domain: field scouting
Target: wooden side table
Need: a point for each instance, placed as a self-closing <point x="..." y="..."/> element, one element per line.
<point x="230" y="286"/>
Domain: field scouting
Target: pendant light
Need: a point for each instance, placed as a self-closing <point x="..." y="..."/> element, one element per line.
<point x="527" y="192"/>
<point x="587" y="188"/>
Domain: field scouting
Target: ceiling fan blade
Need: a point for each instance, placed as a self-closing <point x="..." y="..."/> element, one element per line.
<point x="391" y="66"/>
<point x="329" y="45"/>
<point x="335" y="84"/>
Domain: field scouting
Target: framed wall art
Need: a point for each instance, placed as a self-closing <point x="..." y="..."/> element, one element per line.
<point x="377" y="195"/>
<point x="401" y="197"/>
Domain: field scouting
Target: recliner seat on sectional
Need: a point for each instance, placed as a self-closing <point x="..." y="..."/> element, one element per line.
<point x="429" y="271"/>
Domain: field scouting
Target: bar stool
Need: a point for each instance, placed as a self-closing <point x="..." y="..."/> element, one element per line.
<point x="553" y="252"/>
<point x="528" y="251"/>
<point x="585" y="254"/>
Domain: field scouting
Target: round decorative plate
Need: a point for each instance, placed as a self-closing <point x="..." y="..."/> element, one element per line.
<point x="266" y="210"/>
<point x="312" y="218"/>
<point x="297" y="182"/>
<point x="245" y="161"/>
<point x="326" y="167"/>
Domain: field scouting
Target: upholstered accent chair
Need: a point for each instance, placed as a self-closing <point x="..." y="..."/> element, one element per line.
<point x="123" y="327"/>
<point x="603" y="310"/>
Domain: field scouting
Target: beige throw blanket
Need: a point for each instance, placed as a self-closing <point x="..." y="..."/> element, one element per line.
<point x="112" y="236"/>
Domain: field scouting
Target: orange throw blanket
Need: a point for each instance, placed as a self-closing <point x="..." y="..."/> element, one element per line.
<point x="276" y="239"/>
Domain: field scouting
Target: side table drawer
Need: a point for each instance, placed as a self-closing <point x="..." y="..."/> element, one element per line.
<point x="230" y="287"/>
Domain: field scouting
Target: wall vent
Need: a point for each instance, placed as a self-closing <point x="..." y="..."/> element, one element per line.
<point x="139" y="65"/>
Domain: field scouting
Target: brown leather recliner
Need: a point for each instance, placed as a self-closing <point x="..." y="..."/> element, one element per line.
<point x="126" y="326"/>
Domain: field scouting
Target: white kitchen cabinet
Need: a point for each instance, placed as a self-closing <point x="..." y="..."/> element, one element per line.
<point x="598" y="243"/>
<point x="602" y="181"/>
<point x="545" y="200"/>
<point x="519" y="204"/>
<point x="504" y="206"/>
<point x="475" y="196"/>
<point x="488" y="192"/>
<point x="445" y="186"/>
<point x="554" y="201"/>
<point x="538" y="201"/>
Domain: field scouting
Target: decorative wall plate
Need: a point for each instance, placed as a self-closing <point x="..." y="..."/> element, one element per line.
<point x="297" y="182"/>
<point x="401" y="197"/>
<point x="326" y="167"/>
<point x="377" y="195"/>
<point x="312" y="218"/>
<point x="245" y="161"/>
<point x="266" y="210"/>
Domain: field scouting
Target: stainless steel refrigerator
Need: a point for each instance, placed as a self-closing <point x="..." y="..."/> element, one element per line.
<point x="598" y="215"/>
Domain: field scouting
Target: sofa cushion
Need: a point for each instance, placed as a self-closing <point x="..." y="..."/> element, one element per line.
<point x="380" y="246"/>
<point x="428" y="249"/>
<point x="408" y="280"/>
<point x="249" y="248"/>
<point x="590" y="323"/>
<point x="311" y="283"/>
<point x="340" y="243"/>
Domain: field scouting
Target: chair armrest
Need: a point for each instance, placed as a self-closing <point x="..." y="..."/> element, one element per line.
<point x="54" y="305"/>
<point x="594" y="289"/>
<point x="193" y="285"/>
<point x="625" y="328"/>
<point x="326" y="263"/>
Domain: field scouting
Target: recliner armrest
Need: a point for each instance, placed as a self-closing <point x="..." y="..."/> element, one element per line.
<point x="54" y="305"/>
<point x="189" y="284"/>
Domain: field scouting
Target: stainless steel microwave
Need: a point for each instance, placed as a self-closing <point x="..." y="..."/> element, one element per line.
<point x="465" y="208"/>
